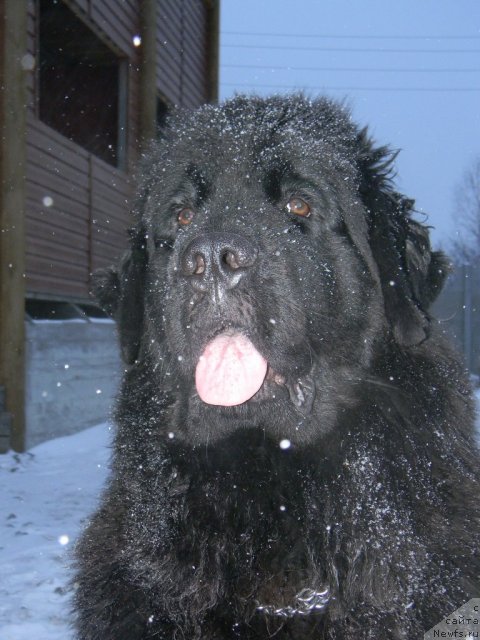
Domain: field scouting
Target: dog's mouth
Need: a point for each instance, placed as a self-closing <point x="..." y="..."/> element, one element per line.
<point x="231" y="371"/>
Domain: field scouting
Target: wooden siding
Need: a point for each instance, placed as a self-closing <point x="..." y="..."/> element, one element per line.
<point x="182" y="51"/>
<point x="57" y="213"/>
<point x="84" y="227"/>
<point x="77" y="213"/>
<point x="195" y="29"/>
<point x="110" y="213"/>
<point x="169" y="50"/>
<point x="119" y="19"/>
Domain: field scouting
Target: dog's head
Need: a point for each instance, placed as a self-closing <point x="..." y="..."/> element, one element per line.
<point x="270" y="258"/>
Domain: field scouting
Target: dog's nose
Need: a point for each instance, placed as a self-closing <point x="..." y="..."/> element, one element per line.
<point x="217" y="259"/>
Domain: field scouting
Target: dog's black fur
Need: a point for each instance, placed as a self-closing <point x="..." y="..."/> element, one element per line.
<point x="208" y="528"/>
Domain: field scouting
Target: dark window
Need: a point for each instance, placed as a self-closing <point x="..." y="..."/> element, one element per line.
<point x="82" y="83"/>
<point x="38" y="309"/>
<point x="51" y="310"/>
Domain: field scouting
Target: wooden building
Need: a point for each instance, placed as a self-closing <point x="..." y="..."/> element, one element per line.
<point x="83" y="84"/>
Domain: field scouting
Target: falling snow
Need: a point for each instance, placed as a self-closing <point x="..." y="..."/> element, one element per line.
<point x="47" y="201"/>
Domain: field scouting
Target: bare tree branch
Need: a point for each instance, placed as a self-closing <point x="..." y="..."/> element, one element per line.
<point x="466" y="247"/>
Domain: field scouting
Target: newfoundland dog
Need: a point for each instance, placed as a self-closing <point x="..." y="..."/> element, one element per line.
<point x="294" y="455"/>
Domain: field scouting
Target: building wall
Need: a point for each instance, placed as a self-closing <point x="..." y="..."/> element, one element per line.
<point x="77" y="208"/>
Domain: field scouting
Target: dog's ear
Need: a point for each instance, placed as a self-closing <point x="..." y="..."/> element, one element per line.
<point x="120" y="292"/>
<point x="411" y="275"/>
<point x="427" y="269"/>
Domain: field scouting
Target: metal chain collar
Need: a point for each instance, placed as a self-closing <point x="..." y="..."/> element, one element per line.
<point x="307" y="601"/>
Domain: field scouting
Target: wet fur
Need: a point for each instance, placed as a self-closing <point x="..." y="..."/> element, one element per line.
<point x="376" y="500"/>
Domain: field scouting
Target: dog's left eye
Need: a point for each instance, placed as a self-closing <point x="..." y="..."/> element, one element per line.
<point x="299" y="207"/>
<point x="186" y="216"/>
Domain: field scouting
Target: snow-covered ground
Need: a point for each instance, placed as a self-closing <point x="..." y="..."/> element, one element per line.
<point x="46" y="496"/>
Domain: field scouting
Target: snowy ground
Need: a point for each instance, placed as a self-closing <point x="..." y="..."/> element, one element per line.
<point x="46" y="495"/>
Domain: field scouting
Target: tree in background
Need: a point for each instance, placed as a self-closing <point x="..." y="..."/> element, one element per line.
<point x="458" y="307"/>
<point x="466" y="247"/>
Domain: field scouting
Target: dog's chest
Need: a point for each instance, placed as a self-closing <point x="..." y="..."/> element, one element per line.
<point x="246" y="530"/>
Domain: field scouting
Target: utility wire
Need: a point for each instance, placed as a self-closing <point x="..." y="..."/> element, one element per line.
<point x="352" y="69"/>
<point x="384" y="89"/>
<point x="345" y="49"/>
<point x="348" y="37"/>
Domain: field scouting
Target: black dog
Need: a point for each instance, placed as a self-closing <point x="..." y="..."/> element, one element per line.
<point x="295" y="454"/>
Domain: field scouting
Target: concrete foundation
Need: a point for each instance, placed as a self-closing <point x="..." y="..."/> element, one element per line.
<point x="73" y="372"/>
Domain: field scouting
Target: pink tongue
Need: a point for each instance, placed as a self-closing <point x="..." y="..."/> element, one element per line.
<point x="230" y="371"/>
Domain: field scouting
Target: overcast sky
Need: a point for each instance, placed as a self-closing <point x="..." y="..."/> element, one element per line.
<point x="410" y="69"/>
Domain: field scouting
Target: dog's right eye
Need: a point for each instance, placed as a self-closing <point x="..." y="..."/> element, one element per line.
<point x="299" y="207"/>
<point x="186" y="216"/>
